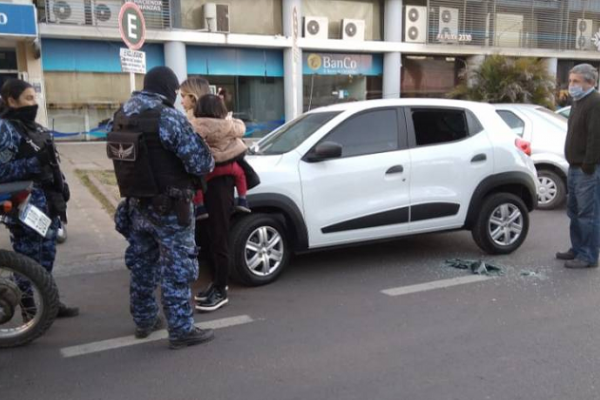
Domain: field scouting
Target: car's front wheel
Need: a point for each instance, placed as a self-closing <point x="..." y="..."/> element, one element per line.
<point x="260" y="250"/>
<point x="502" y="225"/>
<point x="552" y="190"/>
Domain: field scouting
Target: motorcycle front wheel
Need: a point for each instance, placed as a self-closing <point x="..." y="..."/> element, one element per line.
<point x="28" y="300"/>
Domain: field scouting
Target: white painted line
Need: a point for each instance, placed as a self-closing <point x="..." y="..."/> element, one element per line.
<point x="125" y="341"/>
<point x="446" y="283"/>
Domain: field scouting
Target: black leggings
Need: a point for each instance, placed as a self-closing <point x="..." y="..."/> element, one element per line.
<point x="212" y="234"/>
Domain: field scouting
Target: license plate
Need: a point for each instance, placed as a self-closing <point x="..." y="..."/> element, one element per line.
<point x="35" y="218"/>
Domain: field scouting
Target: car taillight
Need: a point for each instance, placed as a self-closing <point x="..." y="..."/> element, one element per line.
<point x="524" y="146"/>
<point x="6" y="207"/>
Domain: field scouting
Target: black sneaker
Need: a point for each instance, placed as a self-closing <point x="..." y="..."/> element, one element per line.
<point x="203" y="295"/>
<point x="67" y="312"/>
<point x="194" y="337"/>
<point x="215" y="300"/>
<point x="142" y="333"/>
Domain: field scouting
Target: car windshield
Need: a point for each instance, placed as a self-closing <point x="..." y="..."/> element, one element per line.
<point x="552" y="117"/>
<point x="291" y="135"/>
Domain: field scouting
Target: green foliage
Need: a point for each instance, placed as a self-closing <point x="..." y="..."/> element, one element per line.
<point x="501" y="79"/>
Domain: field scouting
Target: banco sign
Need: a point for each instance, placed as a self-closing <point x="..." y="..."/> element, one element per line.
<point x="336" y="64"/>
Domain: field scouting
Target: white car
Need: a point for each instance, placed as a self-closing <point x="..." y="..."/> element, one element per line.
<point x="365" y="171"/>
<point x="546" y="131"/>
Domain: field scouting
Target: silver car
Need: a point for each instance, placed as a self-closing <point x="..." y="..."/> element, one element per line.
<point x="546" y="131"/>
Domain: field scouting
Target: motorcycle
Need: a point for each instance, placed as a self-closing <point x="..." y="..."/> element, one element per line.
<point x="28" y="293"/>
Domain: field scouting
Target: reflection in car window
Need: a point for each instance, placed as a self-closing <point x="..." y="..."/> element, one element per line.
<point x="515" y="123"/>
<point x="367" y="133"/>
<point x="436" y="126"/>
<point x="291" y="135"/>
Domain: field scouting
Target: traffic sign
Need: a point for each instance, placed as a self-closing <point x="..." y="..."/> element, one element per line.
<point x="132" y="26"/>
<point x="133" y="61"/>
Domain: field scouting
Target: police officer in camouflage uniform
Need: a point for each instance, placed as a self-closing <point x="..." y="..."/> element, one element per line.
<point x="158" y="159"/>
<point x="27" y="153"/>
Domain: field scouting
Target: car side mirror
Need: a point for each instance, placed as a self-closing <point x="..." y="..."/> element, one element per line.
<point x="324" y="151"/>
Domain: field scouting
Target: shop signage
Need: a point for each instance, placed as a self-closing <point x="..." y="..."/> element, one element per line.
<point x="132" y="26"/>
<point x="133" y="61"/>
<point x="149" y="5"/>
<point x="18" y="20"/>
<point x="339" y="64"/>
<point x="450" y="37"/>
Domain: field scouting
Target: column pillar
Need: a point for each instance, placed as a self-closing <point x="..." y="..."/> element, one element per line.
<point x="292" y="61"/>
<point x="392" y="62"/>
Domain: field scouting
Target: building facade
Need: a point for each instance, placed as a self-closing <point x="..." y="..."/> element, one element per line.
<point x="278" y="58"/>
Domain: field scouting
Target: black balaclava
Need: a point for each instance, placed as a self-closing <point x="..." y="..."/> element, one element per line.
<point x="162" y="80"/>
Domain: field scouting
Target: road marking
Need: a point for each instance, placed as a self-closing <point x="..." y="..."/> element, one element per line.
<point x="125" y="341"/>
<point x="446" y="283"/>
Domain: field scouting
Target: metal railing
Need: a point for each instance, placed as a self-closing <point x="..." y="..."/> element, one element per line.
<point x="103" y="13"/>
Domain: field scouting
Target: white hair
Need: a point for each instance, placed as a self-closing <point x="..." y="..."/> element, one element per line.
<point x="587" y="72"/>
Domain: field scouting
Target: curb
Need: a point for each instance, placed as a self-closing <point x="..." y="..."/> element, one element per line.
<point x="103" y="191"/>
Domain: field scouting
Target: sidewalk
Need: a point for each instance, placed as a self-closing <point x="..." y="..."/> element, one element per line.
<point x="93" y="245"/>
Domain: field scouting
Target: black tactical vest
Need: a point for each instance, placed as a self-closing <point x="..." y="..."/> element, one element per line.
<point x="35" y="139"/>
<point x="144" y="168"/>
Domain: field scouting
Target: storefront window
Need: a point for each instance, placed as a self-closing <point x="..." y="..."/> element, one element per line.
<point x="432" y="77"/>
<point x="255" y="100"/>
<point x="331" y="78"/>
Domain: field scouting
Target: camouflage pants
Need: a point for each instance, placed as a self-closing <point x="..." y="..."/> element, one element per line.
<point x="160" y="252"/>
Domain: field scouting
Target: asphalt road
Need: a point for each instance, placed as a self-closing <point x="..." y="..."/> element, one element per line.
<point x="326" y="331"/>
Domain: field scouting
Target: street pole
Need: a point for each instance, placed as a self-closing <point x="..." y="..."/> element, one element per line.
<point x="132" y="81"/>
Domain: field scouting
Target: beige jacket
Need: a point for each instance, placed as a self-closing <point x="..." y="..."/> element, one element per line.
<point x="223" y="136"/>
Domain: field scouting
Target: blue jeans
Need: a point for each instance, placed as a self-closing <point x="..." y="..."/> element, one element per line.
<point x="583" y="208"/>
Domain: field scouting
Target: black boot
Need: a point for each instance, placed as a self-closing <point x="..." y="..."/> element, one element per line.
<point x="194" y="337"/>
<point x="67" y="312"/>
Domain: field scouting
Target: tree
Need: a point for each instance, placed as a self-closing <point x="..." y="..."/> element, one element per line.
<point x="501" y="79"/>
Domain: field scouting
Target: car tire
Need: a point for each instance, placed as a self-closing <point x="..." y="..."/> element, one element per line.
<point x="552" y="191"/>
<point x="260" y="250"/>
<point x="494" y="232"/>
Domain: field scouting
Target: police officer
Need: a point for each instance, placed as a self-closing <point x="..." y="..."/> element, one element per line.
<point x="158" y="158"/>
<point x="27" y="152"/>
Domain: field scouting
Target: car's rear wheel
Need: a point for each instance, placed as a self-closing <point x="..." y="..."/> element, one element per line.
<point x="552" y="190"/>
<point x="502" y="225"/>
<point x="260" y="249"/>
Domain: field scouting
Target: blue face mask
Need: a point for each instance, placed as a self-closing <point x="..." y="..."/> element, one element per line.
<point x="576" y="92"/>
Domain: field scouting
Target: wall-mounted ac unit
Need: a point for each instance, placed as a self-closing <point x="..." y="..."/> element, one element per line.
<point x="316" y="27"/>
<point x="448" y="22"/>
<point x="415" y="24"/>
<point x="508" y="31"/>
<point x="353" y="29"/>
<point x="105" y="13"/>
<point x="65" y="12"/>
<point x="584" y="34"/>
<point x="215" y="17"/>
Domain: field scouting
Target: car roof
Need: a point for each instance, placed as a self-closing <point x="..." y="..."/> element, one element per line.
<point x="367" y="104"/>
<point x="511" y="105"/>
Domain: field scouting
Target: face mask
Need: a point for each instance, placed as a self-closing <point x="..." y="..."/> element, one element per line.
<point x="576" y="92"/>
<point x="24" y="114"/>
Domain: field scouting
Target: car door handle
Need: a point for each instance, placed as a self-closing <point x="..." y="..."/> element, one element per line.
<point x="479" y="158"/>
<point x="396" y="169"/>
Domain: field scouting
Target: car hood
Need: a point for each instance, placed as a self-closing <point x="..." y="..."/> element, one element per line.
<point x="263" y="163"/>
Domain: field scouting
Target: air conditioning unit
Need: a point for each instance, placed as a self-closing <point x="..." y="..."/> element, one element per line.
<point x="448" y="22"/>
<point x="105" y="13"/>
<point x="508" y="30"/>
<point x="215" y="17"/>
<point x="65" y="12"/>
<point x="415" y="24"/>
<point x="353" y="29"/>
<point x="584" y="34"/>
<point x="316" y="27"/>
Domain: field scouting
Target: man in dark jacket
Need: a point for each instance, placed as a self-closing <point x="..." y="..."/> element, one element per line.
<point x="157" y="156"/>
<point x="582" y="151"/>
